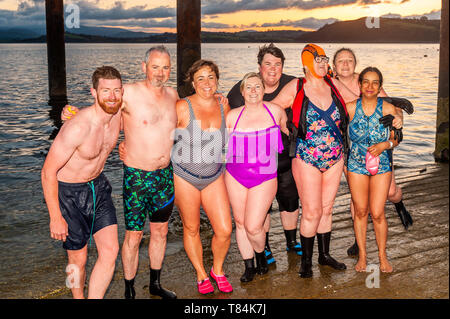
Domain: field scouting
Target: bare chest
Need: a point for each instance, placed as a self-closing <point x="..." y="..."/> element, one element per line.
<point x="99" y="144"/>
<point x="319" y="96"/>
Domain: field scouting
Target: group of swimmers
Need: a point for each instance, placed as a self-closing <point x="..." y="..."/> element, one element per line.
<point x="287" y="139"/>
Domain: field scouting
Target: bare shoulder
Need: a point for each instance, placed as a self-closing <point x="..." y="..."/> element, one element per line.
<point x="275" y="109"/>
<point x="388" y="108"/>
<point x="232" y="115"/>
<point x="77" y="129"/>
<point x="172" y="92"/>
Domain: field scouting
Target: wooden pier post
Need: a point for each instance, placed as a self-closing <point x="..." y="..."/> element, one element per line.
<point x="188" y="40"/>
<point x="441" y="153"/>
<point x="56" y="55"/>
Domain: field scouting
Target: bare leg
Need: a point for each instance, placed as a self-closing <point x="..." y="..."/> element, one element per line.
<point x="259" y="200"/>
<point x="216" y="205"/>
<point x="309" y="183"/>
<point x="77" y="267"/>
<point x="108" y="248"/>
<point x="330" y="185"/>
<point x="379" y="186"/>
<point x="158" y="242"/>
<point x="238" y="198"/>
<point x="359" y="188"/>
<point x="187" y="199"/>
<point x="130" y="253"/>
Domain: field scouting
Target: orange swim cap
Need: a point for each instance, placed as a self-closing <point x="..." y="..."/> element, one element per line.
<point x="309" y="52"/>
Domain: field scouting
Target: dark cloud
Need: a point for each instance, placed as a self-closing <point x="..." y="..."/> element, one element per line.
<point x="308" y="23"/>
<point x="231" y="6"/>
<point x="88" y="10"/>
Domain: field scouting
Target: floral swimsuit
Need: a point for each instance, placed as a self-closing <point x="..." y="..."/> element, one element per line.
<point x="320" y="148"/>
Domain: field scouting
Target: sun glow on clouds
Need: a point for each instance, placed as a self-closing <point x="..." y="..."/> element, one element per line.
<point x="229" y="16"/>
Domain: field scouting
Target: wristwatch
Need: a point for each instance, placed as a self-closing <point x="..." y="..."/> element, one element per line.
<point x="391" y="145"/>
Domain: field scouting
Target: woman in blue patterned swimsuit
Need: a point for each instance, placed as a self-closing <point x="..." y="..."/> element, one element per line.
<point x="369" y="192"/>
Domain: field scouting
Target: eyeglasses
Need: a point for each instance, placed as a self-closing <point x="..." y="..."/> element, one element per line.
<point x="321" y="58"/>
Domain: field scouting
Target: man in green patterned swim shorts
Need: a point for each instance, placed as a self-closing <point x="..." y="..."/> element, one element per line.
<point x="149" y="119"/>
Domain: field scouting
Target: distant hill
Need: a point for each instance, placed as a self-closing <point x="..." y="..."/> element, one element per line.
<point x="391" y="30"/>
<point x="108" y="32"/>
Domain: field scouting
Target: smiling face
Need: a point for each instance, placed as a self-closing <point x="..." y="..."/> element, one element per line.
<point x="321" y="68"/>
<point x="205" y="82"/>
<point x="344" y="64"/>
<point x="252" y="90"/>
<point x="157" y="68"/>
<point x="109" y="95"/>
<point x="271" y="69"/>
<point x="370" y="84"/>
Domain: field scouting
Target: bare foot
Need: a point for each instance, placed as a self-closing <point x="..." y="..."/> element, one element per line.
<point x="385" y="266"/>
<point x="361" y="264"/>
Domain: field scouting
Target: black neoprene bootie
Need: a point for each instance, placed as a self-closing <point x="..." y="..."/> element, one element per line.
<point x="268" y="251"/>
<point x="155" y="286"/>
<point x="261" y="263"/>
<point x="291" y="241"/>
<point x="323" y="240"/>
<point x="129" y="289"/>
<point x="404" y="215"/>
<point x="250" y="270"/>
<point x="306" y="265"/>
<point x="353" y="250"/>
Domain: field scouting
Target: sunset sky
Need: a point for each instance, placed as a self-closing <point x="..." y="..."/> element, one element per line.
<point x="219" y="15"/>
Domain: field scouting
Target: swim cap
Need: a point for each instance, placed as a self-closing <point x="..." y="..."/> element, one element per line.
<point x="309" y="52"/>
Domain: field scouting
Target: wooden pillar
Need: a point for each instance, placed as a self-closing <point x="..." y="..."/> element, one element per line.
<point x="441" y="153"/>
<point x="188" y="40"/>
<point x="56" y="55"/>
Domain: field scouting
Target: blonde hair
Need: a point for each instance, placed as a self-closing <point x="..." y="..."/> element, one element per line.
<point x="249" y="76"/>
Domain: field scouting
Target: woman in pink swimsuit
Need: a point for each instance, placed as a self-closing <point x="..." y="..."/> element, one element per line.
<point x="251" y="169"/>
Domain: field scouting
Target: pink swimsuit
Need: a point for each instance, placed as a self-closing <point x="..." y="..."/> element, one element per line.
<point x="252" y="156"/>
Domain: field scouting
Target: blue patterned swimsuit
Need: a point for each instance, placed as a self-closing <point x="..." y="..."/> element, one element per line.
<point x="320" y="147"/>
<point x="365" y="131"/>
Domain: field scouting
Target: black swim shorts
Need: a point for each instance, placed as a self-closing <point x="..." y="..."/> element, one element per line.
<point x="87" y="208"/>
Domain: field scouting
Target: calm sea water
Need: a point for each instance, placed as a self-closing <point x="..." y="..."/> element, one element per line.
<point x="31" y="262"/>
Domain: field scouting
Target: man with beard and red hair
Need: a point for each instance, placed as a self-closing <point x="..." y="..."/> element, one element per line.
<point x="77" y="193"/>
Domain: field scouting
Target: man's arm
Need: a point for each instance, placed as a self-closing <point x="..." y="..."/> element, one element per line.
<point x="62" y="149"/>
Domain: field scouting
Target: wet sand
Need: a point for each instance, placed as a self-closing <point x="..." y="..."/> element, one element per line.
<point x="419" y="256"/>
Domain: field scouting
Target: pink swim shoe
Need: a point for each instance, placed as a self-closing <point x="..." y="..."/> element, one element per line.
<point x="372" y="163"/>
<point x="221" y="281"/>
<point x="205" y="286"/>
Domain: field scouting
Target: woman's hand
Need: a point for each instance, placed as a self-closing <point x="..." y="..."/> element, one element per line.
<point x="122" y="151"/>
<point x="377" y="149"/>
<point x="68" y="111"/>
<point x="222" y="99"/>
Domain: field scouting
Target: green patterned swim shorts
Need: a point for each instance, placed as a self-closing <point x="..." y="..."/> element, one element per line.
<point x="145" y="193"/>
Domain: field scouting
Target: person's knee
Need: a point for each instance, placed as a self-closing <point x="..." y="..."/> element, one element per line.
<point x="378" y="216"/>
<point x="312" y="215"/>
<point x="191" y="229"/>
<point x="253" y="229"/>
<point x="223" y="233"/>
<point x="133" y="240"/>
<point x="158" y="231"/>
<point x="361" y="212"/>
<point x="79" y="260"/>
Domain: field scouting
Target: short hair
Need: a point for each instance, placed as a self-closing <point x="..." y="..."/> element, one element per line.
<point x="249" y="76"/>
<point x="158" y="48"/>
<point x="197" y="65"/>
<point x="371" y="69"/>
<point x="342" y="50"/>
<point x="272" y="49"/>
<point x="105" y="72"/>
